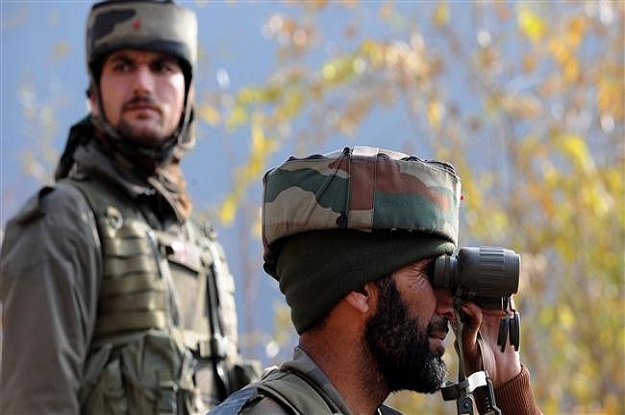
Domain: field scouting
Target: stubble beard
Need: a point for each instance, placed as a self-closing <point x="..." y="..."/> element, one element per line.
<point x="147" y="134"/>
<point x="400" y="346"/>
<point x="151" y="138"/>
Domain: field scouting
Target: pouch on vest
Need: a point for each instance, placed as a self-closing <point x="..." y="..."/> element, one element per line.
<point x="149" y="375"/>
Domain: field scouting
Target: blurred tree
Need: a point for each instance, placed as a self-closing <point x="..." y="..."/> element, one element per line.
<point x="539" y="145"/>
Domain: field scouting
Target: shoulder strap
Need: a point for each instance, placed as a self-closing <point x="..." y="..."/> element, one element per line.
<point x="301" y="396"/>
<point x="296" y="393"/>
<point x="100" y="194"/>
<point x="387" y="410"/>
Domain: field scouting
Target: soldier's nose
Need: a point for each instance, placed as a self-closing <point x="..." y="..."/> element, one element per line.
<point x="143" y="80"/>
<point x="444" y="303"/>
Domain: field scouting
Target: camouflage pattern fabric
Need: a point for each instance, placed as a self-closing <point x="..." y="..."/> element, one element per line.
<point x="360" y="188"/>
<point x="142" y="25"/>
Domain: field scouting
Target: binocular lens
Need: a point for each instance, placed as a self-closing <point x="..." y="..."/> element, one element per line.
<point x="485" y="275"/>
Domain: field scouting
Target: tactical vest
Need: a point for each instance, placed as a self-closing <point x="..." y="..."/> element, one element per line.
<point x="165" y="338"/>
<point x="292" y="390"/>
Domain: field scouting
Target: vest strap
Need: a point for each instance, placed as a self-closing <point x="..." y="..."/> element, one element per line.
<point x="134" y="302"/>
<point x="110" y="323"/>
<point x="125" y="248"/>
<point x="123" y="266"/>
<point x="299" y="395"/>
<point x="132" y="284"/>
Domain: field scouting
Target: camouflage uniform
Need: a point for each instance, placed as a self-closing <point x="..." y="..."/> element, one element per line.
<point x="114" y="299"/>
<point x="367" y="193"/>
<point x="297" y="387"/>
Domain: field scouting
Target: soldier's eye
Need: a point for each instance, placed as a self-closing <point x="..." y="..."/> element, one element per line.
<point x="429" y="270"/>
<point x="121" y="66"/>
<point x="165" y="66"/>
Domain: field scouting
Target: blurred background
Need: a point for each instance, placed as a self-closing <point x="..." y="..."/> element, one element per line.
<point x="525" y="98"/>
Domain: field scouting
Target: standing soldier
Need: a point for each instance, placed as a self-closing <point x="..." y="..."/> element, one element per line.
<point x="114" y="299"/>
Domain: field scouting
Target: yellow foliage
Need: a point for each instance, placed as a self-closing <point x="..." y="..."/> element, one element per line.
<point x="247" y="96"/>
<point x="530" y="62"/>
<point x="238" y="116"/>
<point x="531" y="25"/>
<point x="435" y="110"/>
<point x="209" y="114"/>
<point x="563" y="48"/>
<point x="228" y="209"/>
<point x="560" y="51"/>
<point x="441" y="14"/>
<point x="373" y="51"/>
<point x="575" y="31"/>
<point x="257" y="225"/>
<point x="338" y="70"/>
<point x="610" y="96"/>
<point x="574" y="147"/>
<point x="260" y="149"/>
<point x="571" y="69"/>
<point x="293" y="102"/>
<point x="566" y="317"/>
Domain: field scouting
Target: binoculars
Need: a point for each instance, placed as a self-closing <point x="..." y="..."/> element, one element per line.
<point x="487" y="276"/>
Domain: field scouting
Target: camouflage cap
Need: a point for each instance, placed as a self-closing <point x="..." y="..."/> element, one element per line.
<point x="334" y="222"/>
<point x="360" y="188"/>
<point x="144" y="25"/>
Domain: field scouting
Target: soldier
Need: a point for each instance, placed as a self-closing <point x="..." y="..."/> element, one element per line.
<point x="350" y="237"/>
<point x="116" y="300"/>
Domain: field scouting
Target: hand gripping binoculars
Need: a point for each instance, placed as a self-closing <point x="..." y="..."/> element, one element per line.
<point x="487" y="276"/>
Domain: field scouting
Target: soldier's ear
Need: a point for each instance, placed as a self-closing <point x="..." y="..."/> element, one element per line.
<point x="92" y="101"/>
<point x="361" y="299"/>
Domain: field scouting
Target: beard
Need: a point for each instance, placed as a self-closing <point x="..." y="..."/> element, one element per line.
<point x="151" y="138"/>
<point x="152" y="135"/>
<point x="400" y="346"/>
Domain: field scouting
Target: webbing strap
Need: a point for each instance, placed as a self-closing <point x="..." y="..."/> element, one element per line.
<point x="132" y="283"/>
<point x="150" y="300"/>
<point x="131" y="229"/>
<point x="122" y="266"/>
<point x="296" y="393"/>
<point x="126" y="248"/>
<point x="110" y="323"/>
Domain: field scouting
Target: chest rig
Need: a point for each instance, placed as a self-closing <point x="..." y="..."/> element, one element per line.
<point x="166" y="311"/>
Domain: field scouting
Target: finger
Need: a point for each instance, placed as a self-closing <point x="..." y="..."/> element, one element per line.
<point x="472" y="319"/>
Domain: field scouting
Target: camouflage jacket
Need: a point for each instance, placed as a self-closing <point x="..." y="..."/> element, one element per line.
<point x="305" y="389"/>
<point x="297" y="387"/>
<point x="55" y="351"/>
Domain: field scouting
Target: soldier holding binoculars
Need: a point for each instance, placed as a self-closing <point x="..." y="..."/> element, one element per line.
<point x="362" y="243"/>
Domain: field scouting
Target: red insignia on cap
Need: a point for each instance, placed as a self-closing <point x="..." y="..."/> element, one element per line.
<point x="136" y="24"/>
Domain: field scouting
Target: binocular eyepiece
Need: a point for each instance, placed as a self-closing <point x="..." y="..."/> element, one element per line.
<point x="487" y="276"/>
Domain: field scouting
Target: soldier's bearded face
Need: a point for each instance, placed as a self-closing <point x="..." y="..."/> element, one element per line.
<point x="400" y="344"/>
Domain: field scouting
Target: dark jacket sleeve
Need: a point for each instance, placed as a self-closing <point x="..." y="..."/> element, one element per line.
<point x="50" y="266"/>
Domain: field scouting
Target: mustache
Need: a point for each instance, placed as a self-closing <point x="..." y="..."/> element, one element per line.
<point x="141" y="101"/>
<point x="438" y="325"/>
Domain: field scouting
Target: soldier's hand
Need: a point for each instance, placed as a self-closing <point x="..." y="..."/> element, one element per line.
<point x="500" y="366"/>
